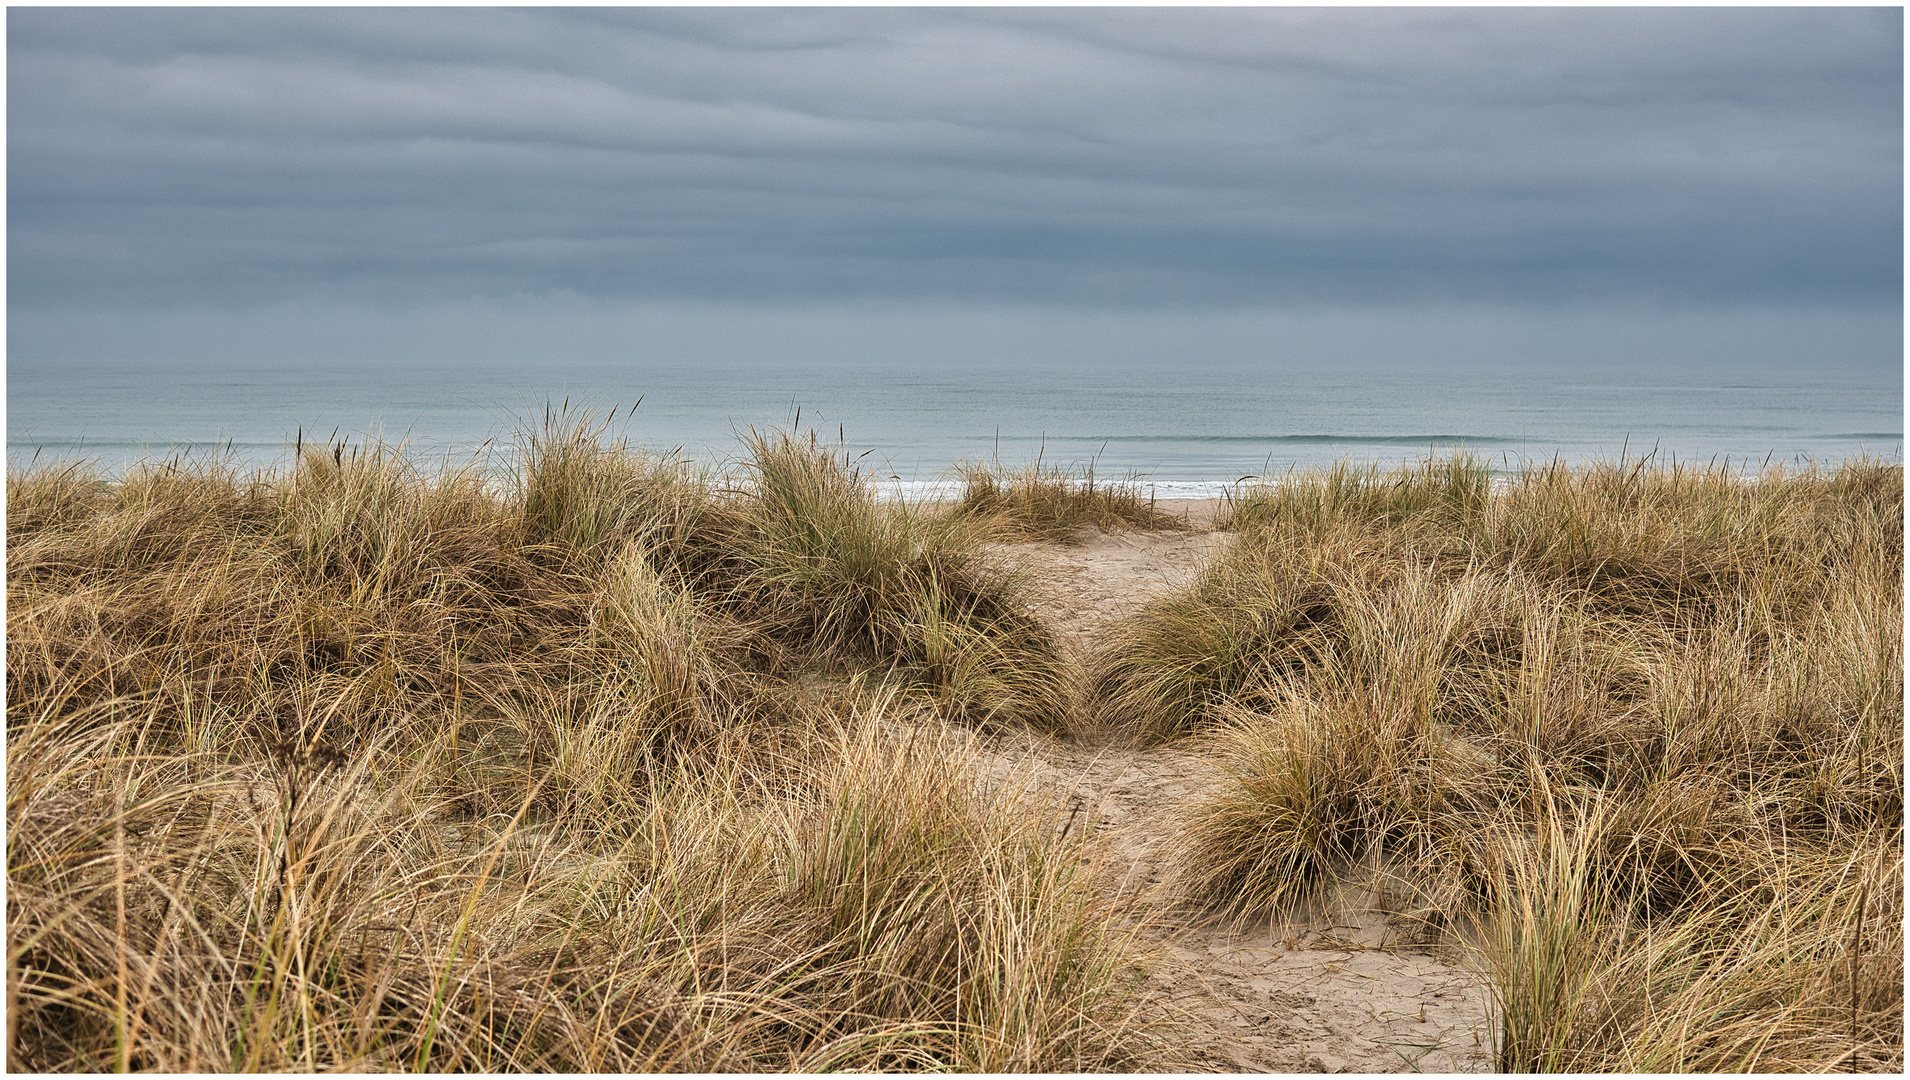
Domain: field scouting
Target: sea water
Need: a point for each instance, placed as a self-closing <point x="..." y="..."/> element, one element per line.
<point x="1183" y="430"/>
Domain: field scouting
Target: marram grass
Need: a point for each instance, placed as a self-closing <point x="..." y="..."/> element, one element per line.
<point x="366" y="767"/>
<point x="1047" y="503"/>
<point x="621" y="766"/>
<point x="1634" y="734"/>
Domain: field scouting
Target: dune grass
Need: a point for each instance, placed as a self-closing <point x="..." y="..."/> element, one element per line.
<point x="617" y="765"/>
<point x="1636" y="732"/>
<point x="362" y="766"/>
<point x="1048" y="503"/>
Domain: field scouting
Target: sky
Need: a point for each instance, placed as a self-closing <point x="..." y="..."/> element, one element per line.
<point x="1434" y="186"/>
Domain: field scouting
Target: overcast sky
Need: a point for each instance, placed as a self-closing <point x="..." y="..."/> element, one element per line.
<point x="1675" y="185"/>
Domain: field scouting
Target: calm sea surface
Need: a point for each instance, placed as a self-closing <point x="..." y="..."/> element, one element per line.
<point x="1188" y="431"/>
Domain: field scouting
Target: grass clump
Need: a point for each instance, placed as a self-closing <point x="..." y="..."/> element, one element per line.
<point x="581" y="496"/>
<point x="188" y="915"/>
<point x="1448" y="494"/>
<point x="832" y="569"/>
<point x="1037" y="503"/>
<point x="1636" y="730"/>
<point x="1795" y="967"/>
<point x="999" y="941"/>
<point x="361" y="766"/>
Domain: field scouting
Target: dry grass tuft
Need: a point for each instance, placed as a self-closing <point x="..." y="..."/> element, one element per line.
<point x="835" y="571"/>
<point x="1037" y="503"/>
<point x="619" y="767"/>
<point x="358" y="766"/>
<point x="1638" y="730"/>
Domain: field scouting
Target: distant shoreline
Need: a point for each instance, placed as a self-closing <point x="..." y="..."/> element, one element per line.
<point x="1189" y="433"/>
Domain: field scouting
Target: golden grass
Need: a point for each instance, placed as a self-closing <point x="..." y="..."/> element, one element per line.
<point x="1037" y="503"/>
<point x="361" y="767"/>
<point x="1635" y="731"/>
<point x="621" y="766"/>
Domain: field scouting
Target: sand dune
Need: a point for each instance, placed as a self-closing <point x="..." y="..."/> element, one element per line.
<point x="1337" y="991"/>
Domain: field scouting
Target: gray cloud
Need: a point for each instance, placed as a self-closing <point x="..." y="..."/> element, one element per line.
<point x="211" y="158"/>
<point x="551" y="332"/>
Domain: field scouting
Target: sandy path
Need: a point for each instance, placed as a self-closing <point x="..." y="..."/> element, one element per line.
<point x="1086" y="588"/>
<point x="1326" y="994"/>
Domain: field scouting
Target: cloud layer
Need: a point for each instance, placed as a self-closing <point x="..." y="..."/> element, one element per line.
<point x="1326" y="186"/>
<point x="1235" y="156"/>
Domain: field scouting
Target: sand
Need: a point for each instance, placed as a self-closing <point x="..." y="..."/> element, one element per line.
<point x="1336" y="992"/>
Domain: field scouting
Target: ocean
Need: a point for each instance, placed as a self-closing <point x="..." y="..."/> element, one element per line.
<point x="1182" y="431"/>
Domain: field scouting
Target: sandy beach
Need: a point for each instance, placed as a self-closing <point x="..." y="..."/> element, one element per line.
<point x="1198" y="513"/>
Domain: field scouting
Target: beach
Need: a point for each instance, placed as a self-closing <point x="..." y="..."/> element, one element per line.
<point x="1292" y="781"/>
<point x="1290" y="773"/>
<point x="622" y="541"/>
